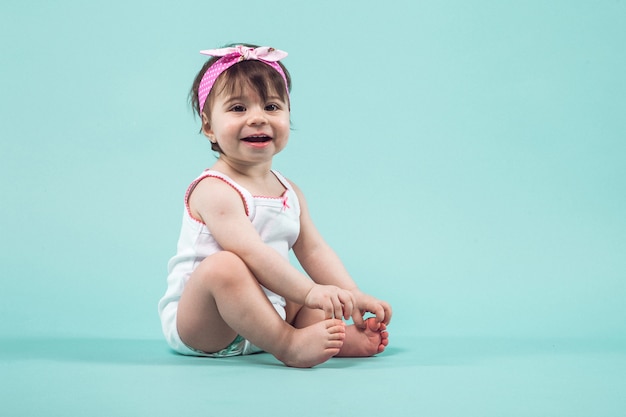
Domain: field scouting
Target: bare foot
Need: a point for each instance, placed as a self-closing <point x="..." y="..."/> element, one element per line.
<point x="314" y="344"/>
<point x="365" y="342"/>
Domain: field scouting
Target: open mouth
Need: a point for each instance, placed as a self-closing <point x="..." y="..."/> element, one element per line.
<point x="257" y="139"/>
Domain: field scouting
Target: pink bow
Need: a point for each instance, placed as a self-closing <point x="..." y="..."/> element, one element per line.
<point x="233" y="55"/>
<point x="262" y="53"/>
<point x="285" y="205"/>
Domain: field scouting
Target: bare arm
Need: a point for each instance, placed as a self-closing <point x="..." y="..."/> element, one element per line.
<point x="221" y="209"/>
<point x="323" y="265"/>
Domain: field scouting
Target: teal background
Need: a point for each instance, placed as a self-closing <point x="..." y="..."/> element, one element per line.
<point x="465" y="159"/>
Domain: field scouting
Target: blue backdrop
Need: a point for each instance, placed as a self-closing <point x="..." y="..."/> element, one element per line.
<point x="466" y="159"/>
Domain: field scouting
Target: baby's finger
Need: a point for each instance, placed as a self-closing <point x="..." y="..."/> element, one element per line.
<point x="348" y="306"/>
<point x="388" y="313"/>
<point x="357" y="318"/>
<point x="379" y="312"/>
<point x="328" y="309"/>
<point x="338" y="308"/>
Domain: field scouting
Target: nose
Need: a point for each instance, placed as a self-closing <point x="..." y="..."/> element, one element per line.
<point x="256" y="116"/>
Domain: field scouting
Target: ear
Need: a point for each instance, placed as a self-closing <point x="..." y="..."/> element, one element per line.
<point x="206" y="128"/>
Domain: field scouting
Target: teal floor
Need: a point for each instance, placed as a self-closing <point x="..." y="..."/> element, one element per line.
<point x="414" y="377"/>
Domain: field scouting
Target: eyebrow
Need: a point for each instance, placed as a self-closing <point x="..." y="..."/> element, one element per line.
<point x="242" y="97"/>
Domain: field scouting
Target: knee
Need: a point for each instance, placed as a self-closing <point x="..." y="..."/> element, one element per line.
<point x="222" y="268"/>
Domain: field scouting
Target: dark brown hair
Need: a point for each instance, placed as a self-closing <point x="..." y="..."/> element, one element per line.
<point x="262" y="78"/>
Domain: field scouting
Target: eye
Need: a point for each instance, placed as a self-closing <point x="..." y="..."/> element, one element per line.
<point x="272" y="107"/>
<point x="238" y="108"/>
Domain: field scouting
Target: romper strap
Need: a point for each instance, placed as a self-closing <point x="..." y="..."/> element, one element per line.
<point x="246" y="197"/>
<point x="294" y="200"/>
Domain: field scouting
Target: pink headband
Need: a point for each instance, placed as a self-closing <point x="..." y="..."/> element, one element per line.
<point x="232" y="56"/>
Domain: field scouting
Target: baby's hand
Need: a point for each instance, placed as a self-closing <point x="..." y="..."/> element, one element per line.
<point x="333" y="300"/>
<point x="364" y="303"/>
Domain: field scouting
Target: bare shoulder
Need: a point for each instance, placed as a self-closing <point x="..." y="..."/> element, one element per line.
<point x="214" y="196"/>
<point x="296" y="189"/>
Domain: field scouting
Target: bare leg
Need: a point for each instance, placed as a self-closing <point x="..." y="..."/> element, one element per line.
<point x="369" y="341"/>
<point x="223" y="299"/>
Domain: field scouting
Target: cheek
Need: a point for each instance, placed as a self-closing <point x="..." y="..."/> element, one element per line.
<point x="222" y="128"/>
<point x="285" y="124"/>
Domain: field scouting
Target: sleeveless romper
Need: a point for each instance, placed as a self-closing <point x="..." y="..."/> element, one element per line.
<point x="276" y="219"/>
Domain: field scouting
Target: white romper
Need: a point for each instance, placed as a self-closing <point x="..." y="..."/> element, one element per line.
<point x="276" y="219"/>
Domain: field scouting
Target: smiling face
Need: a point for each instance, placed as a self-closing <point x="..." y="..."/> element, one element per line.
<point x="248" y="128"/>
<point x="238" y="90"/>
